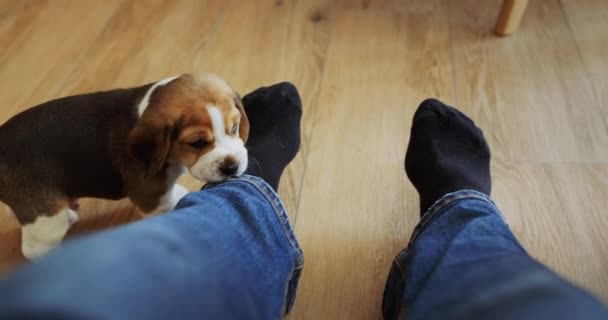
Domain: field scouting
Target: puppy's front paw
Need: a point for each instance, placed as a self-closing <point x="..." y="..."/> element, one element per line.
<point x="73" y="216"/>
<point x="45" y="233"/>
<point x="179" y="192"/>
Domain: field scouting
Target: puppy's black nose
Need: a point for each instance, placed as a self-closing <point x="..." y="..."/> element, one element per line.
<point x="229" y="169"/>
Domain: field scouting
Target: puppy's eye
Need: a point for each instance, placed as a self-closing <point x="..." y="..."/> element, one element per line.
<point x="235" y="128"/>
<point x="198" y="144"/>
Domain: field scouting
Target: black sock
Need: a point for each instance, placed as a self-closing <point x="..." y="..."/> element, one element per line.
<point x="274" y="137"/>
<point x="446" y="153"/>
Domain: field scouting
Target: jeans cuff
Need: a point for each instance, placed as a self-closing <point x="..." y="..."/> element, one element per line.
<point x="437" y="209"/>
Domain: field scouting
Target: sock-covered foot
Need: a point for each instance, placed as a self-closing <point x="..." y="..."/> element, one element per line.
<point x="446" y="153"/>
<point x="274" y="115"/>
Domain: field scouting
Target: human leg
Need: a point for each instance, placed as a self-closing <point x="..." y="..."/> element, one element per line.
<point x="462" y="261"/>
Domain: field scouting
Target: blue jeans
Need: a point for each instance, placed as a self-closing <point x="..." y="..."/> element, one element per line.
<point x="228" y="252"/>
<point x="463" y="262"/>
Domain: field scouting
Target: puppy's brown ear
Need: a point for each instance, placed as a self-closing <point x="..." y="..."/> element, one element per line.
<point x="150" y="144"/>
<point x="244" y="126"/>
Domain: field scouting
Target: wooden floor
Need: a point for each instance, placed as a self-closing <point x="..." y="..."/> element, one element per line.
<point x="362" y="67"/>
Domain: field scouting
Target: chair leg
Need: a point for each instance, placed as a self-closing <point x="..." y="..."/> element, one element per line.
<point x="510" y="16"/>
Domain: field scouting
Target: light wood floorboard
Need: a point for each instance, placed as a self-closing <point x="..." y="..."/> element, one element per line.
<point x="362" y="67"/>
<point x="356" y="209"/>
<point x="588" y="20"/>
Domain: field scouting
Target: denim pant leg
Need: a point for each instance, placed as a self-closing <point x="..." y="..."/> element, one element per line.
<point x="463" y="262"/>
<point x="226" y="252"/>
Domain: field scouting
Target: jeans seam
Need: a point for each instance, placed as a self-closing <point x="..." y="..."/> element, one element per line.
<point x="402" y="270"/>
<point x="279" y="211"/>
<point x="281" y="214"/>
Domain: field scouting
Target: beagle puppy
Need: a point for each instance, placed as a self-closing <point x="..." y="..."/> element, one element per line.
<point x="121" y="143"/>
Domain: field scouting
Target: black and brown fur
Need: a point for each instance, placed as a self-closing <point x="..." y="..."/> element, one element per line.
<point x="97" y="145"/>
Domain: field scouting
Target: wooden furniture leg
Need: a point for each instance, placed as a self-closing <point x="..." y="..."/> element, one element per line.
<point x="510" y="16"/>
